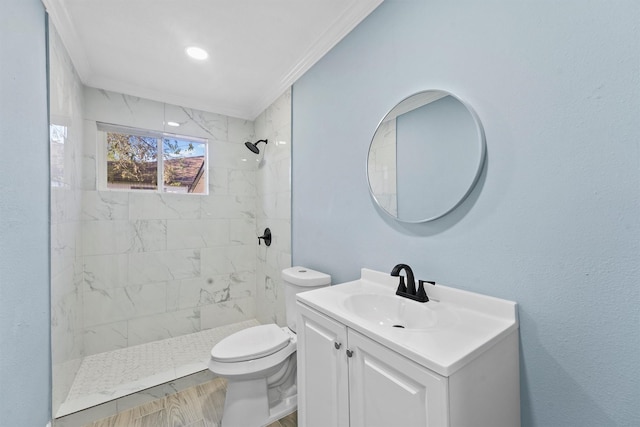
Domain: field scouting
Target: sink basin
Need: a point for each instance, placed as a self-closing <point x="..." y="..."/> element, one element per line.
<point x="443" y="335"/>
<point x="398" y="312"/>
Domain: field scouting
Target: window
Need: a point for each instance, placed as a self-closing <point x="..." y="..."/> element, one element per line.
<point x="141" y="160"/>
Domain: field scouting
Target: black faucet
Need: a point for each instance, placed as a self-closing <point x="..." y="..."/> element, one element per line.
<point x="408" y="290"/>
<point x="410" y="287"/>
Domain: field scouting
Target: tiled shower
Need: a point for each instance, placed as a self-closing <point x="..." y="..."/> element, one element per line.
<point x="133" y="268"/>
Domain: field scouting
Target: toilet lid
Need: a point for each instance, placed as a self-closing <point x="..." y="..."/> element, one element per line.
<point x="250" y="343"/>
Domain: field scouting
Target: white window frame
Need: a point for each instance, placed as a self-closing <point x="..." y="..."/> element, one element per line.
<point x="101" y="159"/>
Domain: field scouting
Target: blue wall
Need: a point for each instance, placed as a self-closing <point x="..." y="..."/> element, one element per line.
<point x="25" y="370"/>
<point x="554" y="221"/>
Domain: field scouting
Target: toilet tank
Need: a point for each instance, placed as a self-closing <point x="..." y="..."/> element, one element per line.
<point x="300" y="279"/>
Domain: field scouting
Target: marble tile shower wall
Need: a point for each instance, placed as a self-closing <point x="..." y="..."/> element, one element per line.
<point x="66" y="107"/>
<point x="162" y="265"/>
<point x="274" y="208"/>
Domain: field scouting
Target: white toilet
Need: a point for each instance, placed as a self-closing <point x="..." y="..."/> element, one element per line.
<point x="259" y="363"/>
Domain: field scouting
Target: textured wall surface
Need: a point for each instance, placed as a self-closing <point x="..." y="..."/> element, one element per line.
<point x="553" y="222"/>
<point x="25" y="367"/>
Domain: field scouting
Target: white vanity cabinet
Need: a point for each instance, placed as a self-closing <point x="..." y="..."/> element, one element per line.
<point x="323" y="373"/>
<point x="348" y="380"/>
<point x="356" y="369"/>
<point x="386" y="389"/>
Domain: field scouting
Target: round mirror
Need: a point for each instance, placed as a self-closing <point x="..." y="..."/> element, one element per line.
<point x="425" y="156"/>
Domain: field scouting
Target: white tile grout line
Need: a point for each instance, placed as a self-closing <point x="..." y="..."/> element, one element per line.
<point x="107" y="376"/>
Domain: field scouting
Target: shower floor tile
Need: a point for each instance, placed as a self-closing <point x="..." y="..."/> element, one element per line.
<point x="109" y="376"/>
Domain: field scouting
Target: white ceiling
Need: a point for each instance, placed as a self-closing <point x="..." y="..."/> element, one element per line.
<point x="257" y="48"/>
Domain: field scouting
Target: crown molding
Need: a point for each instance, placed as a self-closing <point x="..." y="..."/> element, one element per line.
<point x="213" y="106"/>
<point x="342" y="26"/>
<point x="63" y="23"/>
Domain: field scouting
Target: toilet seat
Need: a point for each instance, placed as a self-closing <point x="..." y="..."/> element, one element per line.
<point x="265" y="365"/>
<point x="260" y="363"/>
<point x="251" y="343"/>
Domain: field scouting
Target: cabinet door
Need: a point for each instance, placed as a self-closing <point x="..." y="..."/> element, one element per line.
<point x="387" y="389"/>
<point x="323" y="389"/>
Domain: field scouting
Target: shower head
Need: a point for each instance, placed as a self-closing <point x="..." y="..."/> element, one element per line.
<point x="254" y="147"/>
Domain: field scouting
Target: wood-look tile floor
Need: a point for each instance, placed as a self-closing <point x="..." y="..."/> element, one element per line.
<point x="199" y="406"/>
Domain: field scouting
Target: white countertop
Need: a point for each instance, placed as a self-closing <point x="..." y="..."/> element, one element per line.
<point x="474" y="323"/>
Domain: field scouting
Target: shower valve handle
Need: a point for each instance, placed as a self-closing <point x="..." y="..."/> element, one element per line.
<point x="266" y="237"/>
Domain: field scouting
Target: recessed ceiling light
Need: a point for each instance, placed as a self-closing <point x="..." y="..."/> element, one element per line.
<point x="174" y="124"/>
<point x="197" y="53"/>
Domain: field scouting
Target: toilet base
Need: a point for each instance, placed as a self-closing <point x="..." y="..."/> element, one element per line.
<point x="282" y="409"/>
<point x="249" y="404"/>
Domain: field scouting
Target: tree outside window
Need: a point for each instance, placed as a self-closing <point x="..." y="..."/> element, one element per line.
<point x="133" y="163"/>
